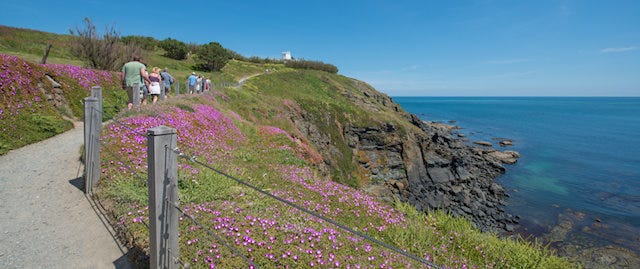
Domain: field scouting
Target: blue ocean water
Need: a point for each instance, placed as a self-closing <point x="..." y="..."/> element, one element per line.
<point x="579" y="155"/>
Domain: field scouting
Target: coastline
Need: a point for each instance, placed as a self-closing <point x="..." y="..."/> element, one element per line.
<point x="592" y="237"/>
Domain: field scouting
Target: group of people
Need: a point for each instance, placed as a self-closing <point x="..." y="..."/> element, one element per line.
<point x="198" y="84"/>
<point x="150" y="84"/>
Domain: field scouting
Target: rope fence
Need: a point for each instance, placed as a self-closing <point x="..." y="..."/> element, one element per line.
<point x="194" y="159"/>
<point x="218" y="238"/>
<point x="162" y="182"/>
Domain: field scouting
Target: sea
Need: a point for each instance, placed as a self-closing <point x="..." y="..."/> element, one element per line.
<point x="578" y="179"/>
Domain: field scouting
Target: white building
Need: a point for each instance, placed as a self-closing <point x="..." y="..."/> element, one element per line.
<point x="286" y="55"/>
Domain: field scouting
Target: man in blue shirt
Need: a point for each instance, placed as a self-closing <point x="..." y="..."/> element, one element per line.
<point x="192" y="82"/>
<point x="167" y="79"/>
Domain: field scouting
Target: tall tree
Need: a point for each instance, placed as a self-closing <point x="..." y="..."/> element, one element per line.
<point x="212" y="57"/>
<point x="174" y="49"/>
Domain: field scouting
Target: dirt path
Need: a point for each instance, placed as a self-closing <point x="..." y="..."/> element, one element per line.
<point x="45" y="219"/>
<point x="245" y="78"/>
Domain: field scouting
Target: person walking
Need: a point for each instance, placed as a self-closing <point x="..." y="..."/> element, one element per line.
<point x="167" y="80"/>
<point x="134" y="72"/>
<point x="154" y="84"/>
<point x="199" y="84"/>
<point x="192" y="82"/>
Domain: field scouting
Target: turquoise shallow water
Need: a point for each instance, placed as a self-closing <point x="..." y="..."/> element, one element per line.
<point x="579" y="155"/>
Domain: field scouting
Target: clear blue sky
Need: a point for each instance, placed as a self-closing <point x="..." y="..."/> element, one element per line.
<point x="415" y="48"/>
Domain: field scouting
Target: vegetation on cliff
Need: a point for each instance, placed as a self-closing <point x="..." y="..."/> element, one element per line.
<point x="282" y="131"/>
<point x="28" y="113"/>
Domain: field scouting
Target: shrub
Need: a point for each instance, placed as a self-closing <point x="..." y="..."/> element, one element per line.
<point x="258" y="60"/>
<point x="316" y="65"/>
<point x="212" y="57"/>
<point x="174" y="49"/>
<point x="145" y="42"/>
<point x="106" y="52"/>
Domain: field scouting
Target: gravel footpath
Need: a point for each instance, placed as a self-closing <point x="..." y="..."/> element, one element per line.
<point x="46" y="221"/>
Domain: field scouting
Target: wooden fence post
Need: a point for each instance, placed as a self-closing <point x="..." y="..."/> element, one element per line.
<point x="91" y="143"/>
<point x="177" y="87"/>
<point x="97" y="117"/>
<point x="46" y="54"/>
<point x="163" y="194"/>
<point x="96" y="91"/>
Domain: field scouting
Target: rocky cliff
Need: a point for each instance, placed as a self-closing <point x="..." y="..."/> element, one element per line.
<point x="365" y="137"/>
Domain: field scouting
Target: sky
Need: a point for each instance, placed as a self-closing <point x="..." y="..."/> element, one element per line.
<point x="402" y="48"/>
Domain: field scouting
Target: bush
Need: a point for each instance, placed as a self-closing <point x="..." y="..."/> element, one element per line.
<point x="106" y="52"/>
<point x="316" y="65"/>
<point x="212" y="57"/>
<point x="236" y="56"/>
<point x="258" y="60"/>
<point x="145" y="42"/>
<point x="174" y="49"/>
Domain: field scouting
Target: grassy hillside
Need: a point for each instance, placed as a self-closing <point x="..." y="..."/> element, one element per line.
<point x="254" y="133"/>
<point x="31" y="45"/>
<point x="269" y="233"/>
<point x="325" y="99"/>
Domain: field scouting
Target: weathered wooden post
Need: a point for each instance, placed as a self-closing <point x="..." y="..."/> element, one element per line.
<point x="97" y="117"/>
<point x="91" y="147"/>
<point x="136" y="94"/>
<point x="177" y="87"/>
<point x="46" y="54"/>
<point x="163" y="195"/>
<point x="96" y="91"/>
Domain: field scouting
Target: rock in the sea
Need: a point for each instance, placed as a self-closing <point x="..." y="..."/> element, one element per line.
<point x="483" y="143"/>
<point x="508" y="157"/>
<point x="506" y="143"/>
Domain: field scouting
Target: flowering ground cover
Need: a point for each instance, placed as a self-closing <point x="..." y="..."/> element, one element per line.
<point x="266" y="231"/>
<point x="25" y="114"/>
<point x="77" y="83"/>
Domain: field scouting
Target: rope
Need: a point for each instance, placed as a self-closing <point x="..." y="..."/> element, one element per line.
<point x="185" y="265"/>
<point x="123" y="163"/>
<point x="363" y="235"/>
<point x="116" y="121"/>
<point x="212" y="234"/>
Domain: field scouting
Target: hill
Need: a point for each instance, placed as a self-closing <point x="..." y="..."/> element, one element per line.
<point x="297" y="134"/>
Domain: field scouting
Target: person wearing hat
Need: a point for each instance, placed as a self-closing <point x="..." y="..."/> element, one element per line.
<point x="192" y="82"/>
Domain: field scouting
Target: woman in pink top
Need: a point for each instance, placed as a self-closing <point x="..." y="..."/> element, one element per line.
<point x="154" y="85"/>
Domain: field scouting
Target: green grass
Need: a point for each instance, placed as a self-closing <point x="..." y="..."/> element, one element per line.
<point x="268" y="99"/>
<point x="440" y="229"/>
<point x="238" y="69"/>
<point x="31" y="45"/>
<point x="30" y="128"/>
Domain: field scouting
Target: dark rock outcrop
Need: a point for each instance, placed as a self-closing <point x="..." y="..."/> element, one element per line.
<point x="423" y="163"/>
<point x="434" y="170"/>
